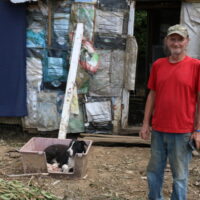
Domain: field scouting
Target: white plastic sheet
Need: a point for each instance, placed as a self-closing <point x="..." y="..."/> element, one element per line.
<point x="190" y="17"/>
<point x="108" y="80"/>
<point x="30" y="121"/>
<point x="109" y="22"/>
<point x="42" y="109"/>
<point x="98" y="111"/>
<point x="83" y="13"/>
<point x="34" y="73"/>
<point x="61" y="28"/>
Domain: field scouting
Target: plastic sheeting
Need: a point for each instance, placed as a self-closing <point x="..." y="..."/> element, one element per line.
<point x="108" y="81"/>
<point x="109" y="22"/>
<point x="61" y="28"/>
<point x="47" y="116"/>
<point x="100" y="82"/>
<point x="99" y="115"/>
<point x="55" y="68"/>
<point x="51" y="62"/>
<point x="30" y="121"/>
<point x="98" y="111"/>
<point x="82" y="81"/>
<point x="61" y="20"/>
<point x="36" y="30"/>
<point x="45" y="109"/>
<point x="117" y="72"/>
<point x="34" y="68"/>
<point x="113" y="4"/>
<point x="76" y="122"/>
<point x="34" y="73"/>
<point x="190" y="17"/>
<point x="83" y="13"/>
<point x="89" y="58"/>
<point x="42" y="108"/>
<point x="109" y="42"/>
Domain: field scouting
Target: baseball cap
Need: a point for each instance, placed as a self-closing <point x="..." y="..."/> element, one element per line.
<point x="178" y="29"/>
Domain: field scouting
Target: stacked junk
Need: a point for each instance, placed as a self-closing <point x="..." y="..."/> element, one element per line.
<point x="97" y="103"/>
<point x="106" y="60"/>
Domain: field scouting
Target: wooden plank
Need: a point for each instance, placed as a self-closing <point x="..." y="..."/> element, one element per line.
<point x="125" y="140"/>
<point x="71" y="81"/>
<point x="49" y="22"/>
<point x="29" y="174"/>
<point x="125" y="108"/>
<point x="106" y="136"/>
<point x="131" y="20"/>
<point x="130" y="66"/>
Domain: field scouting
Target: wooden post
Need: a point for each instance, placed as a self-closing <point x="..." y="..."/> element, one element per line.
<point x="49" y="23"/>
<point x="131" y="20"/>
<point x="71" y="81"/>
<point x="130" y="65"/>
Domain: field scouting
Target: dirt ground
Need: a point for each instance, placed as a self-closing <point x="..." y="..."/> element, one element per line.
<point x="115" y="172"/>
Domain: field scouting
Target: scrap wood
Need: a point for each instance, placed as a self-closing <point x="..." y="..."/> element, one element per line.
<point x="28" y="174"/>
<point x="71" y="82"/>
<point x="115" y="139"/>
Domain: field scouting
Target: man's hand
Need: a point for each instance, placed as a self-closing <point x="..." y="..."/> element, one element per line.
<point x="196" y="137"/>
<point x="145" y="132"/>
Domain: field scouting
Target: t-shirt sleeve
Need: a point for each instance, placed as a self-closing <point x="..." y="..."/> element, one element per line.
<point x="152" y="78"/>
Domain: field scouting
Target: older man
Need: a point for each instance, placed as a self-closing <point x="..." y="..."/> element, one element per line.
<point x="174" y="105"/>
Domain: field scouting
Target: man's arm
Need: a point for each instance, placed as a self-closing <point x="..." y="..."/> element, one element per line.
<point x="196" y="135"/>
<point x="145" y="130"/>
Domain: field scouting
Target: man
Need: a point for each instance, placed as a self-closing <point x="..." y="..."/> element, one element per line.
<point x="174" y="104"/>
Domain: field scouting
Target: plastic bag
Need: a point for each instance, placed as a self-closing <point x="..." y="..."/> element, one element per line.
<point x="89" y="59"/>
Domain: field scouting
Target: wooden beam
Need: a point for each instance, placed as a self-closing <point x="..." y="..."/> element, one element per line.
<point x="131" y="20"/>
<point x="71" y="81"/>
<point x="49" y="23"/>
<point x="96" y="138"/>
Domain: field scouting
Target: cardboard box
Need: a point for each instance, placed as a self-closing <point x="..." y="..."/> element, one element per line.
<point x="34" y="157"/>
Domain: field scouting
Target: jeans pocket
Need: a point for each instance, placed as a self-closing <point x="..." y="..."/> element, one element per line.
<point x="188" y="142"/>
<point x="186" y="137"/>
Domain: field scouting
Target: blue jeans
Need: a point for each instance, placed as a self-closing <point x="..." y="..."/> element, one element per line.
<point x="175" y="147"/>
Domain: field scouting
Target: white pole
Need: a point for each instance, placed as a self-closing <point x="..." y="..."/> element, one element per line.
<point x="131" y="20"/>
<point x="71" y="81"/>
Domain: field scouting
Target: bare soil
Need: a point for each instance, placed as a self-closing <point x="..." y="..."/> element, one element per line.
<point x="115" y="172"/>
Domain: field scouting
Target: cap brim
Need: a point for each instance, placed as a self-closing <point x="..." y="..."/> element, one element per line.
<point x="177" y="32"/>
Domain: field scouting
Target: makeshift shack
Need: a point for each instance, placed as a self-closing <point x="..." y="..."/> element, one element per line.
<point x="111" y="80"/>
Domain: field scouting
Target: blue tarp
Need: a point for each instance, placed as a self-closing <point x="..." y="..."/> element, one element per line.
<point x="12" y="59"/>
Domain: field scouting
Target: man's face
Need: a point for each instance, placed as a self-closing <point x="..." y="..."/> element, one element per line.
<point x="176" y="44"/>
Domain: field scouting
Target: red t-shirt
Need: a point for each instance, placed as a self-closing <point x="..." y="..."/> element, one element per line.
<point x="176" y="86"/>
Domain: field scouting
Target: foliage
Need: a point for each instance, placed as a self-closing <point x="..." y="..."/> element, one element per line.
<point x="15" y="190"/>
<point x="141" y="31"/>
